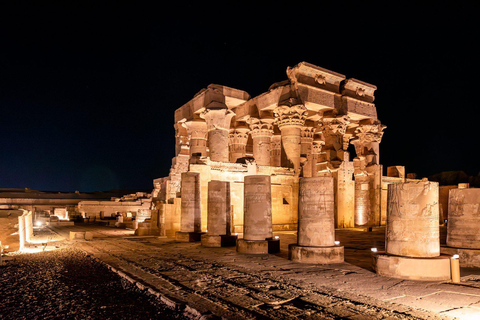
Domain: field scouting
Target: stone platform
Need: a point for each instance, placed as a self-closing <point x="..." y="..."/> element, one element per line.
<point x="213" y="241"/>
<point x="188" y="236"/>
<point x="315" y="255"/>
<point x="258" y="246"/>
<point x="425" y="269"/>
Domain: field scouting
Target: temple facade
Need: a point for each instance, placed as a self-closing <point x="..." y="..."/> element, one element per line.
<point x="316" y="123"/>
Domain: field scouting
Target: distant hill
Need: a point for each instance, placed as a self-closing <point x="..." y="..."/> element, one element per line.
<point x="449" y="178"/>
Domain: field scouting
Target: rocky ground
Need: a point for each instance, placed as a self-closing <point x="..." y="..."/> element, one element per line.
<point x="69" y="284"/>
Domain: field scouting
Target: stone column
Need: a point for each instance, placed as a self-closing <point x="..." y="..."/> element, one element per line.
<point x="276" y="150"/>
<point x="261" y="132"/>
<point x="368" y="173"/>
<point x="463" y="227"/>
<point x="190" y="215"/>
<point x="29" y="227"/>
<point x="218" y="126"/>
<point x="290" y="120"/>
<point x="21" y="232"/>
<point x="317" y="145"/>
<point x="306" y="151"/>
<point x="197" y="131"/>
<point x="219" y="216"/>
<point x="412" y="238"/>
<point x="238" y="143"/>
<point x="316" y="227"/>
<point x="257" y="218"/>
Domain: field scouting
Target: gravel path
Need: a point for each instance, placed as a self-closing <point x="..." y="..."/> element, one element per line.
<point x="68" y="284"/>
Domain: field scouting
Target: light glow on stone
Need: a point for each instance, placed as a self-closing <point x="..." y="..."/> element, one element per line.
<point x="374" y="249"/>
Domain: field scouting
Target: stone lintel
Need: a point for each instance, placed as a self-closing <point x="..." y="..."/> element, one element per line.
<point x="316" y="255"/>
<point x="315" y="76"/>
<point x="359" y="90"/>
<point x="214" y="96"/>
<point x="357" y="109"/>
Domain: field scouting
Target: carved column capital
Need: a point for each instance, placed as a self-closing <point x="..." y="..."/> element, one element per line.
<point x="197" y="129"/>
<point x="294" y="115"/>
<point x="261" y="127"/>
<point x="217" y="119"/>
<point x="238" y="135"/>
<point x="317" y="146"/>
<point x="370" y="132"/>
<point x="335" y="125"/>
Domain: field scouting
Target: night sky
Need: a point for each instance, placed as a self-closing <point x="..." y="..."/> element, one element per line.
<point x="88" y="89"/>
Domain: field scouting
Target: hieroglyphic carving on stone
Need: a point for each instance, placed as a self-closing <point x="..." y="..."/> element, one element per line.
<point x="412" y="219"/>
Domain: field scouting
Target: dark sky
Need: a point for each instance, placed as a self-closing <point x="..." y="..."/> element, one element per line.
<point x="88" y="88"/>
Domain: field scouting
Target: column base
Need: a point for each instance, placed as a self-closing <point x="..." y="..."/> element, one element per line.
<point x="469" y="258"/>
<point x="427" y="269"/>
<point x="182" y="236"/>
<point x="258" y="246"/>
<point x="147" y="231"/>
<point x="316" y="255"/>
<point x="218" y="241"/>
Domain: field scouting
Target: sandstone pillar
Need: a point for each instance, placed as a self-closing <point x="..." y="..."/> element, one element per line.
<point x="316" y="227"/>
<point x="190" y="215"/>
<point x="257" y="219"/>
<point x="21" y="232"/>
<point x="218" y="126"/>
<point x="363" y="211"/>
<point x="197" y="131"/>
<point x="317" y="145"/>
<point x="290" y="120"/>
<point x="368" y="173"/>
<point x="238" y="143"/>
<point x="306" y="150"/>
<point x="28" y="227"/>
<point x="261" y="132"/>
<point x="276" y="150"/>
<point x="463" y="227"/>
<point x="412" y="239"/>
<point x="219" y="216"/>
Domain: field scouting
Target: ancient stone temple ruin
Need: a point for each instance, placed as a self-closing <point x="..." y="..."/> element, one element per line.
<point x="317" y="123"/>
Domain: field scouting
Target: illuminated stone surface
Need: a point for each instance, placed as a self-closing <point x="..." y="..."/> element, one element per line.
<point x="190" y="216"/>
<point x="257" y="230"/>
<point x="300" y="127"/>
<point x="412" y="220"/>
<point x="258" y="208"/>
<point x="219" y="216"/>
<point x="463" y="228"/>
<point x="316" y="226"/>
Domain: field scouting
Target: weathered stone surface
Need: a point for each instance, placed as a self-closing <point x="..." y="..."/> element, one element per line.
<point x="316" y="255"/>
<point x="258" y="208"/>
<point x="427" y="269"/>
<point x="190" y="219"/>
<point x="463" y="228"/>
<point x="252" y="246"/>
<point x="218" y="240"/>
<point x="219" y="215"/>
<point x="316" y="212"/>
<point x="412" y="220"/>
